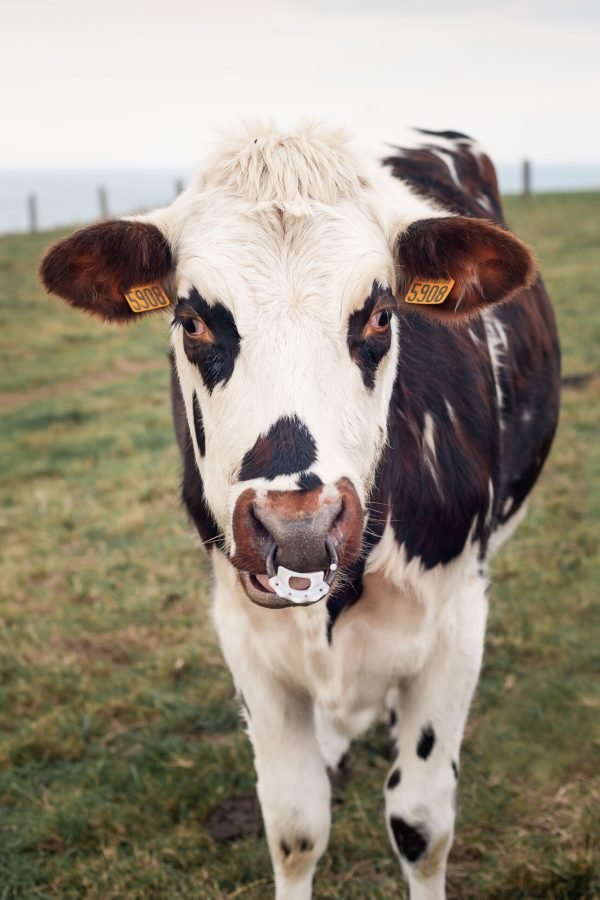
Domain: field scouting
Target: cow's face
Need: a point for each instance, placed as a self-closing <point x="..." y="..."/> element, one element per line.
<point x="285" y="332"/>
<point x="285" y="341"/>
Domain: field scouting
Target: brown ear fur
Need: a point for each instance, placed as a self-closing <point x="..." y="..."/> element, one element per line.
<point x="93" y="268"/>
<point x="487" y="263"/>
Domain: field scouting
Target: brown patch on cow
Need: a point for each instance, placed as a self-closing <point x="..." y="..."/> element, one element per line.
<point x="487" y="263"/>
<point x="94" y="267"/>
<point x="296" y="504"/>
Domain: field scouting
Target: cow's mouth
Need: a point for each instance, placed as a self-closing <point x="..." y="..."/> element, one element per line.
<point x="262" y="582"/>
<point x="297" y="591"/>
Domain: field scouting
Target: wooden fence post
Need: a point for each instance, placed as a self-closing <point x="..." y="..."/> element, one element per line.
<point x="32" y="211"/>
<point x="103" y="203"/>
<point x="526" y="179"/>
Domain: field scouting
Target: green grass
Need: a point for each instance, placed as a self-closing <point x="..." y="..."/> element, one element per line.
<point x="118" y="729"/>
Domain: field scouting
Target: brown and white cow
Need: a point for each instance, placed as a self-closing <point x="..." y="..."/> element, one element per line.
<point x="357" y="440"/>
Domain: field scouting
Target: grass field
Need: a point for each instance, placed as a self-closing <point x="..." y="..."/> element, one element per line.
<point x="119" y="733"/>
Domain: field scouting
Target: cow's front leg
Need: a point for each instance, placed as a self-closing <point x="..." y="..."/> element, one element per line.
<point x="293" y="787"/>
<point x="421" y="786"/>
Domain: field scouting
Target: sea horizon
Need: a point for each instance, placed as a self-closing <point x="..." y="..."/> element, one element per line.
<point x="65" y="197"/>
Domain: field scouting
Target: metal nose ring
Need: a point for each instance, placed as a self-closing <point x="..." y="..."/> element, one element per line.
<point x="333" y="560"/>
<point x="319" y="582"/>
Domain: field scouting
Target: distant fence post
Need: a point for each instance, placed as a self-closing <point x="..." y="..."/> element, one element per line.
<point x="103" y="203"/>
<point x="32" y="210"/>
<point x="178" y="187"/>
<point x="526" y="179"/>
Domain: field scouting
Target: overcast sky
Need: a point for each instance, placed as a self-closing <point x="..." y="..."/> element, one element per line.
<point x="148" y="82"/>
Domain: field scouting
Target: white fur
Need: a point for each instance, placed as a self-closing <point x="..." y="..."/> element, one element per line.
<point x="497" y="345"/>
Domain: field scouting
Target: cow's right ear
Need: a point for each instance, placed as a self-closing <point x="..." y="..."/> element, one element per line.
<point x="96" y="267"/>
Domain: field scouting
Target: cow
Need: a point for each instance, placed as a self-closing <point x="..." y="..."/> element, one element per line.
<point x="361" y="416"/>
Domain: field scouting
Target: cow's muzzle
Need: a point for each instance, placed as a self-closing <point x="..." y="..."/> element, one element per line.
<point x="290" y="545"/>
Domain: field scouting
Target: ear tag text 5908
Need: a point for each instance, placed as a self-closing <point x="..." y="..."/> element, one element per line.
<point x="433" y="290"/>
<point x="145" y="297"/>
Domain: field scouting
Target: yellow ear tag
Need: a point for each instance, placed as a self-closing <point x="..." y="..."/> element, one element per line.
<point x="146" y="297"/>
<point x="432" y="291"/>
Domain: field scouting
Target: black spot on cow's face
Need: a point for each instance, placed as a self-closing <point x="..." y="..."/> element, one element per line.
<point x="288" y="447"/>
<point x="199" y="426"/>
<point x="367" y="352"/>
<point x="216" y="358"/>
<point x="308" y="481"/>
<point x="394" y="779"/>
<point x="426" y="742"/>
<point x="411" y="842"/>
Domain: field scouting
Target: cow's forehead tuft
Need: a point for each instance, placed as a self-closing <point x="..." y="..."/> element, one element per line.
<point x="286" y="170"/>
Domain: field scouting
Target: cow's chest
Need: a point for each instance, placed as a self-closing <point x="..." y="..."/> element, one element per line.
<point x="381" y="640"/>
<point x="384" y="638"/>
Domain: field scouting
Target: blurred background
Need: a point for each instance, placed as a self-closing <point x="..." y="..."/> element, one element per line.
<point x="124" y="771"/>
<point x="108" y="106"/>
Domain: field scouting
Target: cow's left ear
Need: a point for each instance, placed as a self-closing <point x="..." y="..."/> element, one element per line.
<point x="114" y="270"/>
<point x="486" y="263"/>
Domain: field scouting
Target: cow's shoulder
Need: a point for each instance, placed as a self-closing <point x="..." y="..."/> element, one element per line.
<point x="449" y="168"/>
<point x="443" y="453"/>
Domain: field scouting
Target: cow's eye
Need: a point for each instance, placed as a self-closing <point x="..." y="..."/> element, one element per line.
<point x="379" y="322"/>
<point x="195" y="327"/>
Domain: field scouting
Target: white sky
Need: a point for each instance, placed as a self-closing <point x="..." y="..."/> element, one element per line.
<point x="148" y="82"/>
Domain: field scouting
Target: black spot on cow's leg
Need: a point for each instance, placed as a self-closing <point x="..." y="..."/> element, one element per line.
<point x="199" y="426"/>
<point x="300" y="845"/>
<point x="411" y="842"/>
<point x="393" y="718"/>
<point x="288" y="447"/>
<point x="426" y="742"/>
<point x="308" y="481"/>
<point x="455" y="769"/>
<point x="394" y="779"/>
<point x="215" y="359"/>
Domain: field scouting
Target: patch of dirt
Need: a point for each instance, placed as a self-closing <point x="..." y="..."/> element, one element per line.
<point x="578" y="381"/>
<point x="238" y="816"/>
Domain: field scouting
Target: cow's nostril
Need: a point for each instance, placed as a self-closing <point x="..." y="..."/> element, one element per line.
<point x="259" y="529"/>
<point x="339" y="518"/>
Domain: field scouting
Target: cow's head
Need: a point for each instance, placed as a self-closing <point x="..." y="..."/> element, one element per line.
<point x="286" y="266"/>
